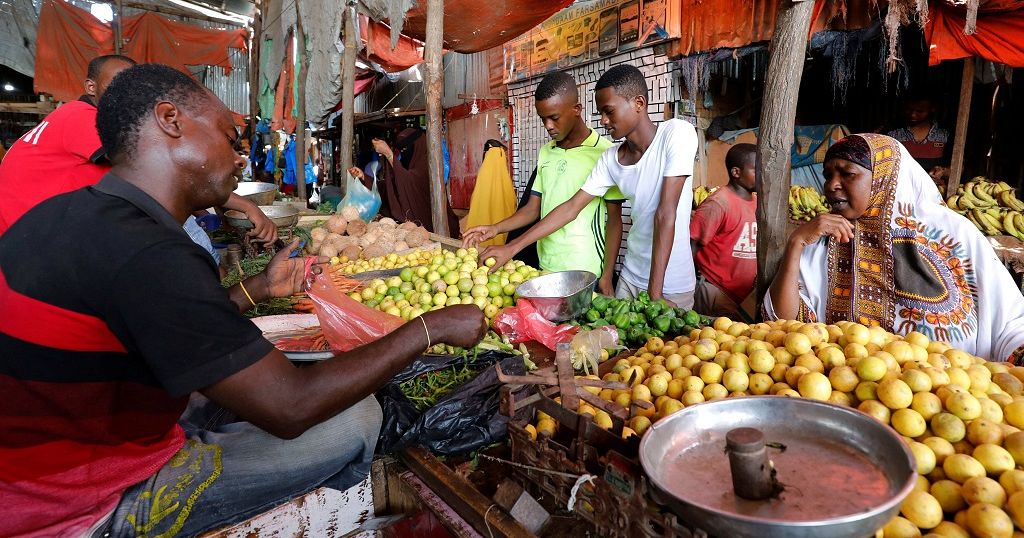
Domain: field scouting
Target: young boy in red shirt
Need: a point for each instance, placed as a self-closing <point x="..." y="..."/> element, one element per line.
<point x="723" y="231"/>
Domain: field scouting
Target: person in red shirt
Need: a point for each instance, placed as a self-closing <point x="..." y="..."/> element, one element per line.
<point x="723" y="231"/>
<point x="63" y="153"/>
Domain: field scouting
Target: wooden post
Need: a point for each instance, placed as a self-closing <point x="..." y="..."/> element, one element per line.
<point x="300" y="127"/>
<point x="434" y="83"/>
<point x="778" y="116"/>
<point x="118" y="20"/>
<point x="348" y="79"/>
<point x="963" y="114"/>
<point x="254" y="67"/>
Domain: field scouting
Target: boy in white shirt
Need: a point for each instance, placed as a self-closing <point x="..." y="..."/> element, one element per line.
<point x="652" y="168"/>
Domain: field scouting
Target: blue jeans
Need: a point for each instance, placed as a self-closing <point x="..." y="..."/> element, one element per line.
<point x="229" y="471"/>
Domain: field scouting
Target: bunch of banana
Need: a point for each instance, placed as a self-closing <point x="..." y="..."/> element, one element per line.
<point x="701" y="193"/>
<point x="992" y="206"/>
<point x="805" y="203"/>
<point x="980" y="193"/>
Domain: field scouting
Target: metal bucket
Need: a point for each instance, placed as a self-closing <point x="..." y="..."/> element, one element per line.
<point x="559" y="296"/>
<point x="844" y="474"/>
<point x="259" y="192"/>
<point x="282" y="216"/>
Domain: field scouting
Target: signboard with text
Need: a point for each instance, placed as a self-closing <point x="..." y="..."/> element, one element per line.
<point x="589" y="31"/>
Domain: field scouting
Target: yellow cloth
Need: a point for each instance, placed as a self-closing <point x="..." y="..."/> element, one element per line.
<point x="494" y="198"/>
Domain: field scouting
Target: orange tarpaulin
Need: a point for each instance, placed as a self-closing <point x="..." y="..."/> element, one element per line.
<point x="151" y="38"/>
<point x="714" y="24"/>
<point x="284" y="93"/>
<point x="998" y="37"/>
<point x="377" y="38"/>
<point x="69" y="37"/>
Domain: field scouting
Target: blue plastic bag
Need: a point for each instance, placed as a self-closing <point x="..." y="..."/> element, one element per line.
<point x="366" y="202"/>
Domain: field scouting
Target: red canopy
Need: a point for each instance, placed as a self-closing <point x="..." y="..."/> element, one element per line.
<point x="998" y="37"/>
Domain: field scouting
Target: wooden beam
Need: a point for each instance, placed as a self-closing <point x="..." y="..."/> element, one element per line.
<point x="434" y="85"/>
<point x="482" y="513"/>
<point x="118" y="22"/>
<point x="176" y="12"/>
<point x="348" y="78"/>
<point x="963" y="114"/>
<point x="41" y="108"/>
<point x="778" y="116"/>
<point x="254" y="67"/>
<point x="300" y="127"/>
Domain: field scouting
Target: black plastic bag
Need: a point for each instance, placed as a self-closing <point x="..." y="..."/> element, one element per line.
<point x="464" y="420"/>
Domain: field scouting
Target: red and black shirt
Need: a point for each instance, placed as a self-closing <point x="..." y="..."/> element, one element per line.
<point x="61" y="154"/>
<point x="109" y="317"/>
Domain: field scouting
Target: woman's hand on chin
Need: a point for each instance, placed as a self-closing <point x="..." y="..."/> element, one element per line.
<point x="827" y="224"/>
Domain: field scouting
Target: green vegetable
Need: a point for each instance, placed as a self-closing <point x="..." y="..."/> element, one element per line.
<point x="601" y="303"/>
<point x="636" y="335"/>
<point x="691" y="318"/>
<point x="676" y="325"/>
<point x="643" y="298"/>
<point x="636" y="318"/>
<point x="621" y="321"/>
<point x="652" y="311"/>
<point x="600" y="322"/>
<point x="663" y="324"/>
<point x="593" y="314"/>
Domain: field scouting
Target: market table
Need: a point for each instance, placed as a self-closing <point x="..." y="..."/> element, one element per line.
<point x="1010" y="251"/>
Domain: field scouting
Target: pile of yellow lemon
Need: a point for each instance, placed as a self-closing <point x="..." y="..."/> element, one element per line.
<point x="390" y="261"/>
<point x="960" y="415"/>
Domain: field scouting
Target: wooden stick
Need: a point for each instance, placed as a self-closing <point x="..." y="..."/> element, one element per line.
<point x="963" y="114"/>
<point x="348" y="77"/>
<point x="434" y="84"/>
<point x="300" y="127"/>
<point x="478" y="510"/>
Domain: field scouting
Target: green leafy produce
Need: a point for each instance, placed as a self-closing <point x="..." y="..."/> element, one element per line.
<point x="252" y="266"/>
<point x="425" y="390"/>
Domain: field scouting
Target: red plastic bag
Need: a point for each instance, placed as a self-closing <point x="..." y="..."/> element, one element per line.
<point x="346" y="323"/>
<point x="522" y="323"/>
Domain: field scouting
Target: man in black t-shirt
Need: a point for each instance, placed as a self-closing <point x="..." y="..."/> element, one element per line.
<point x="106" y="331"/>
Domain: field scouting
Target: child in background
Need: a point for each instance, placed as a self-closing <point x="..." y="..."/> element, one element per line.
<point x="723" y="231"/>
<point x="926" y="142"/>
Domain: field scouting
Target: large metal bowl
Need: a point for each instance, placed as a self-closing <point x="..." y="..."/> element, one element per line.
<point x="845" y="474"/>
<point x="559" y="296"/>
<point x="259" y="192"/>
<point x="281" y="215"/>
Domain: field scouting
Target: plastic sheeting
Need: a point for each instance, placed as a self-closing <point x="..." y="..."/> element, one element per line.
<point x="69" y="37"/>
<point x="18" y="36"/>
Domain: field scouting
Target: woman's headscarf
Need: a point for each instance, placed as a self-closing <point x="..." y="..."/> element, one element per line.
<point x="913" y="265"/>
<point x="405" y="183"/>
